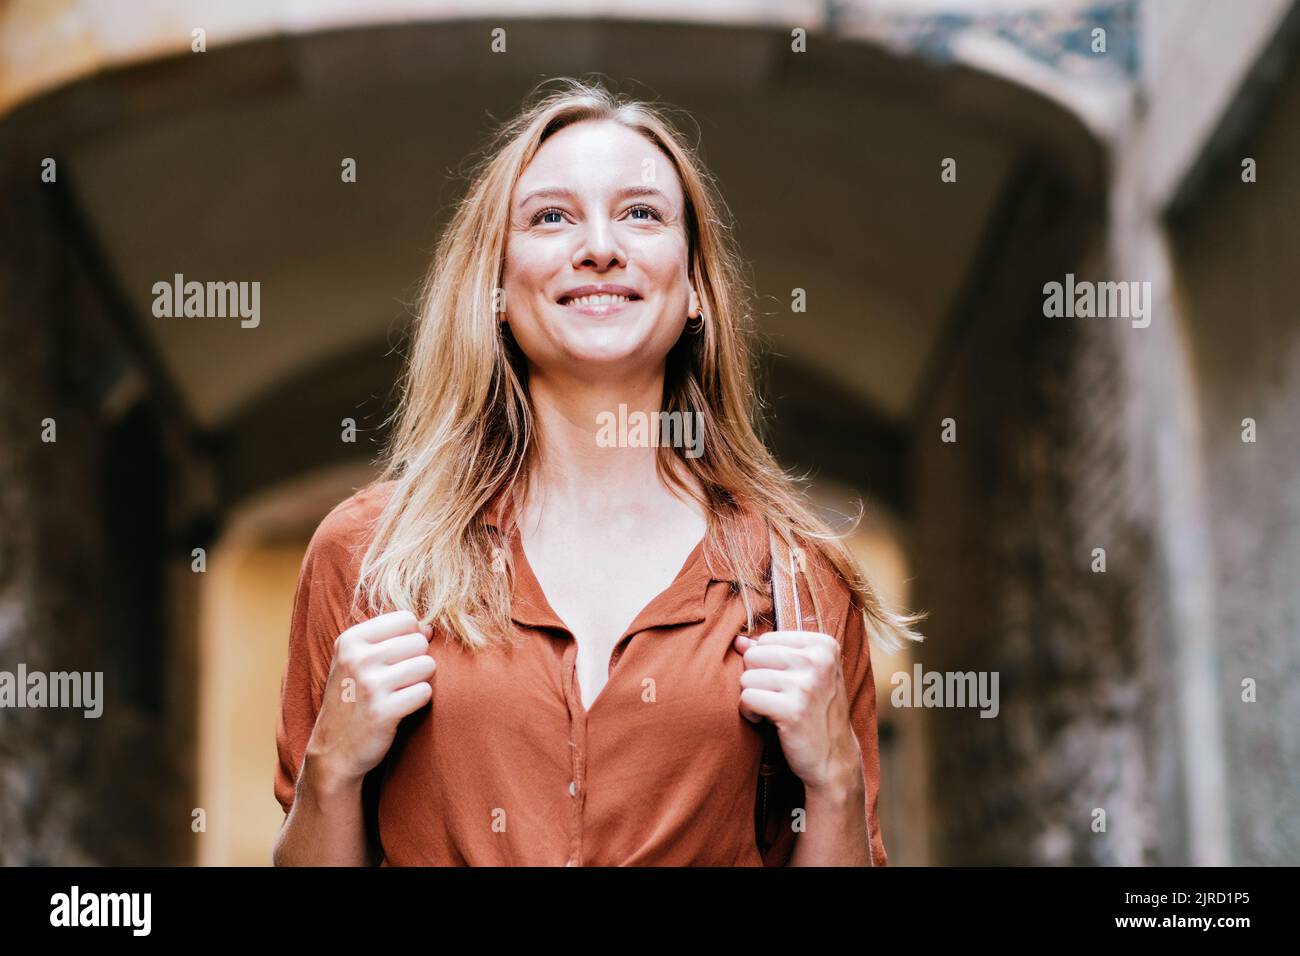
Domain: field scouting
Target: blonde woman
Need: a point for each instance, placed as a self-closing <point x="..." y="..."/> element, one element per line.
<point x="540" y="640"/>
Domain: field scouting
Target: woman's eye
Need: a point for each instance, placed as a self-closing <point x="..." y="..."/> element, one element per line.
<point x="547" y="212"/>
<point x="540" y="215"/>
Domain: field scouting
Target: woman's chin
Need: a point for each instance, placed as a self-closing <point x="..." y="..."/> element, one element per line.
<point x="606" y="357"/>
<point x="610" y="347"/>
<point x="605" y="361"/>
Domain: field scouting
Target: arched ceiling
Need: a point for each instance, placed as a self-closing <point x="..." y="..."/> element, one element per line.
<point x="225" y="166"/>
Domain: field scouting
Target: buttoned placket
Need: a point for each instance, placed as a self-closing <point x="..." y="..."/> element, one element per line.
<point x="662" y="611"/>
<point x="579" y="717"/>
<point x="577" y="750"/>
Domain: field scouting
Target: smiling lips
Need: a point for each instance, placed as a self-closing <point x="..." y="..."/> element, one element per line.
<point x="598" y="300"/>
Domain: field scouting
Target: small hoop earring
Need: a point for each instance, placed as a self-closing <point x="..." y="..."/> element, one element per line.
<point x="697" y="329"/>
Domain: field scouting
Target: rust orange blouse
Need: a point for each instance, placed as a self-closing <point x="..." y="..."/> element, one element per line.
<point x="506" y="767"/>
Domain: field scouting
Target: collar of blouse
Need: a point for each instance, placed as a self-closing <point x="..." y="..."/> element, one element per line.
<point x="682" y="602"/>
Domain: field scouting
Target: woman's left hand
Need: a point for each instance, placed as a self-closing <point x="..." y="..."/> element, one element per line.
<point x="794" y="679"/>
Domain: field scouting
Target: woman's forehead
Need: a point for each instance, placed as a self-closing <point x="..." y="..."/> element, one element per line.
<point x="600" y="158"/>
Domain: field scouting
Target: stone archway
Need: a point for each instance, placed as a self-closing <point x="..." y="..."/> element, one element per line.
<point x="853" y="390"/>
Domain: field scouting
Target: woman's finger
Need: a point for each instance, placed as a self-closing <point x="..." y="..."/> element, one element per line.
<point x="766" y="678"/>
<point x="792" y="638"/>
<point x="775" y="656"/>
<point x="765" y="703"/>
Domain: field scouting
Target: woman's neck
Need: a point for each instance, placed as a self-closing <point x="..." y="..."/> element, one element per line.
<point x="589" y="464"/>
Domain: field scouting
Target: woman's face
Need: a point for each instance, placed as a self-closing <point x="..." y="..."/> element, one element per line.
<point x="599" y="205"/>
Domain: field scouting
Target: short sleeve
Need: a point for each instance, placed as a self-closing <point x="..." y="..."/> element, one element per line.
<point x="860" y="683"/>
<point x="321" y="606"/>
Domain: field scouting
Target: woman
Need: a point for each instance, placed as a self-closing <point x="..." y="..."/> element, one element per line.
<point x="540" y="640"/>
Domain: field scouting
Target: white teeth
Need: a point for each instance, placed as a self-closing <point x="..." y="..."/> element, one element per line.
<point x="589" y="300"/>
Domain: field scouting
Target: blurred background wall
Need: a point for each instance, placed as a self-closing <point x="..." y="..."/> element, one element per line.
<point x="128" y="156"/>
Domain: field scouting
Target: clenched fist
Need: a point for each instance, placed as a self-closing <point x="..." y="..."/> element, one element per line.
<point x="380" y="673"/>
<point x="795" y="680"/>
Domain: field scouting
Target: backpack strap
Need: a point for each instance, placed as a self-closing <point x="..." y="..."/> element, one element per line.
<point x="789" y="577"/>
<point x="785" y="594"/>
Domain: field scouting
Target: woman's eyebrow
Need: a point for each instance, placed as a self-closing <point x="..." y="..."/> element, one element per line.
<point x="559" y="192"/>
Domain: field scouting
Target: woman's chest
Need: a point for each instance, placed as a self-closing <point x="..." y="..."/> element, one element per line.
<point x="599" y="590"/>
<point x="669" y="691"/>
<point x="507" y="764"/>
<point x="674" y="672"/>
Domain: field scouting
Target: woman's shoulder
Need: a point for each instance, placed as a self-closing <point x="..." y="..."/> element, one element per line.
<point x="834" y="594"/>
<point x="341" y="537"/>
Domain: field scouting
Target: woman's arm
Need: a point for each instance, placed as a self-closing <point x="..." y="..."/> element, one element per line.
<point x="380" y="673"/>
<point x="344" y="691"/>
<point x="323" y="823"/>
<point x="324" y="827"/>
<point x="839" y="812"/>
<point x="836" y="833"/>
<point x="820" y="691"/>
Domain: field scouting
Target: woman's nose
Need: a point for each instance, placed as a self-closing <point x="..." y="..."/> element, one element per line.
<point x="599" y="246"/>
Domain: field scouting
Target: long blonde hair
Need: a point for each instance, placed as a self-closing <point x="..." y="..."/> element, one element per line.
<point x="465" y="438"/>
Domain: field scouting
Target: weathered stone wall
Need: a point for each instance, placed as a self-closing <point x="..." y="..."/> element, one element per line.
<point x="1090" y="433"/>
<point x="1008" y="517"/>
<point x="1235" y="262"/>
<point x="72" y="789"/>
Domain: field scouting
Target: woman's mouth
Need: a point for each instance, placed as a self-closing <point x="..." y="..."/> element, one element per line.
<point x="603" y="304"/>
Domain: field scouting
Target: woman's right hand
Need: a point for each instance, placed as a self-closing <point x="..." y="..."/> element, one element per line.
<point x="380" y="673"/>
